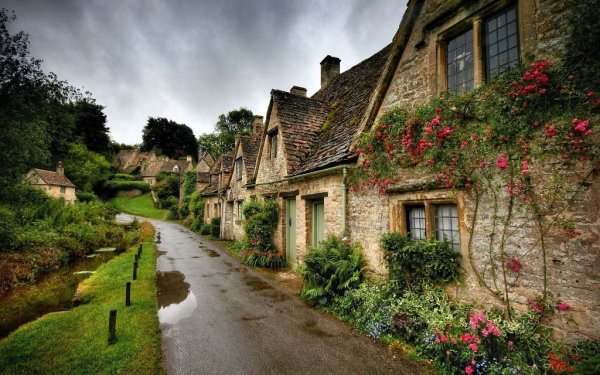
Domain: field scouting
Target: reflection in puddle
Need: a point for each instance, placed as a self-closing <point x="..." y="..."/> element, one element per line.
<point x="256" y="284"/>
<point x="175" y="299"/>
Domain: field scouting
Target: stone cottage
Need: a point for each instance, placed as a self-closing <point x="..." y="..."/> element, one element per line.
<point x="205" y="163"/>
<point x="240" y="178"/>
<point x="444" y="46"/>
<point x="54" y="183"/>
<point x="214" y="193"/>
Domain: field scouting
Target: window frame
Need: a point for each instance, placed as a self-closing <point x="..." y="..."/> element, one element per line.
<point x="273" y="138"/>
<point x="238" y="168"/>
<point x="400" y="212"/>
<point x="477" y="24"/>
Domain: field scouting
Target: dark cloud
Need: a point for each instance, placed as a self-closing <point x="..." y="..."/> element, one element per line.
<point x="193" y="60"/>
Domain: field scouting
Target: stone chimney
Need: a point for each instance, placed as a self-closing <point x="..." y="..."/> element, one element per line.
<point x="297" y="90"/>
<point x="257" y="125"/>
<point x="60" y="169"/>
<point x="188" y="158"/>
<point x="330" y="68"/>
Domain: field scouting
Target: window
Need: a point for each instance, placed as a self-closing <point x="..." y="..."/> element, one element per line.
<point x="501" y="42"/>
<point x="238" y="168"/>
<point x="415" y="222"/>
<point x="446" y="224"/>
<point x="63" y="189"/>
<point x="489" y="46"/>
<point x="459" y="57"/>
<point x="428" y="220"/>
<point x="273" y="145"/>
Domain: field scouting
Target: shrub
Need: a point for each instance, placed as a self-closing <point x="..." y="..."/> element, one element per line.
<point x="260" y="221"/>
<point x="122" y="177"/>
<point x="330" y="270"/>
<point x="84" y="196"/>
<point x="112" y="187"/>
<point x="414" y="264"/>
<point x="215" y="227"/>
<point x="206" y="229"/>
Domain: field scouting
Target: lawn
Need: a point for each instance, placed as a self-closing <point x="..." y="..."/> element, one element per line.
<point x="141" y="206"/>
<point x="75" y="341"/>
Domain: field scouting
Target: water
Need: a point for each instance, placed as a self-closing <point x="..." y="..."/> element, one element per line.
<point x="53" y="292"/>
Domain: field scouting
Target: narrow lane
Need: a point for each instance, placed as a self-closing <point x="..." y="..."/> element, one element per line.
<point x="221" y="317"/>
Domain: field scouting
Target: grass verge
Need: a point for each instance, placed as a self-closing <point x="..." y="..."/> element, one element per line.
<point x="141" y="206"/>
<point x="75" y="341"/>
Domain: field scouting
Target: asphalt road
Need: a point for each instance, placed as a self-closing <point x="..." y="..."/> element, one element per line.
<point x="220" y="317"/>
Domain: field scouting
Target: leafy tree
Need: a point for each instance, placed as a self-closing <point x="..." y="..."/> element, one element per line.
<point x="90" y="125"/>
<point x="86" y="169"/>
<point x="222" y="140"/>
<point x="169" y="138"/>
<point x="166" y="189"/>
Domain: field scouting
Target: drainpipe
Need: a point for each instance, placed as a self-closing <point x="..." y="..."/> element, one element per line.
<point x="344" y="199"/>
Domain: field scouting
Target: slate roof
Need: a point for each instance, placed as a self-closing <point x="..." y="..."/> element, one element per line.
<point x="347" y="97"/>
<point x="53" y="178"/>
<point x="152" y="168"/>
<point x="300" y="121"/>
<point x="223" y="164"/>
<point x="203" y="177"/>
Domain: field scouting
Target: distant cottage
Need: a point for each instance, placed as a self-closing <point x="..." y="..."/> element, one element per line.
<point x="54" y="183"/>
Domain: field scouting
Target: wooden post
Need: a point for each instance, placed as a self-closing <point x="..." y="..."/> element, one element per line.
<point x="140" y="251"/>
<point x="135" y="265"/>
<point x="112" y="327"/>
<point x="128" y="294"/>
<point x="158" y="237"/>
<point x="137" y="257"/>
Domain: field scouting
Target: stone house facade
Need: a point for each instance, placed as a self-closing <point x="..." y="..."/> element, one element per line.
<point x="444" y="46"/>
<point x="214" y="193"/>
<point x="205" y="163"/>
<point x="54" y="183"/>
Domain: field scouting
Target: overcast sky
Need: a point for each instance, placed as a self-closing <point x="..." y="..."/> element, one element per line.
<point x="190" y="61"/>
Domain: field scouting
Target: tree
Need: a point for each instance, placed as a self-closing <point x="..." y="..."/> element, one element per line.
<point x="169" y="138"/>
<point x="90" y="125"/>
<point x="222" y="140"/>
<point x="86" y="169"/>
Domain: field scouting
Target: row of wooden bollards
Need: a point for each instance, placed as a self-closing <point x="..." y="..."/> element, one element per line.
<point x="112" y="316"/>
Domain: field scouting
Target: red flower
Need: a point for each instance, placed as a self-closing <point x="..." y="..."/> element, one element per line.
<point x="469" y="370"/>
<point x="502" y="162"/>
<point x="549" y="130"/>
<point x="590" y="94"/>
<point x="562" y="306"/>
<point x="535" y="306"/>
<point x="514" y="264"/>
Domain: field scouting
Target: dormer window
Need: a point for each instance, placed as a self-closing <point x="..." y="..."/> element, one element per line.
<point x="176" y="169"/>
<point x="273" y="145"/>
<point x="238" y="168"/>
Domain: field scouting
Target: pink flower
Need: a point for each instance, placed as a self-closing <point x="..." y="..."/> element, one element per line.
<point x="580" y="126"/>
<point x="562" y="306"/>
<point x="444" y="133"/>
<point x="536" y="124"/>
<point x="469" y="370"/>
<point x="524" y="167"/>
<point x="502" y="162"/>
<point x="491" y="329"/>
<point x="535" y="306"/>
<point x="436" y="121"/>
<point x="476" y="319"/>
<point x="473" y="347"/>
<point x="591" y="94"/>
<point x="464" y="144"/>
<point x="453" y="341"/>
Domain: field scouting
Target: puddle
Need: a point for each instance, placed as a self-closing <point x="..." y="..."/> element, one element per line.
<point x="257" y="284"/>
<point x="228" y="264"/>
<point x="211" y="253"/>
<point x="276" y="296"/>
<point x="175" y="299"/>
<point x="246" y="318"/>
<point x="196" y="257"/>
<point x="312" y="328"/>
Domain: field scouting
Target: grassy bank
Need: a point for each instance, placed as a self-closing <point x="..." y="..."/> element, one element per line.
<point x="75" y="341"/>
<point x="141" y="206"/>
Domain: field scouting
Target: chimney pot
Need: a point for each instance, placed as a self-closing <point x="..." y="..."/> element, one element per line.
<point x="257" y="124"/>
<point x="297" y="90"/>
<point x="60" y="169"/>
<point x="330" y="68"/>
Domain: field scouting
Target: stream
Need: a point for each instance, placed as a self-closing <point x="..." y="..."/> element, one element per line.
<point x="53" y="292"/>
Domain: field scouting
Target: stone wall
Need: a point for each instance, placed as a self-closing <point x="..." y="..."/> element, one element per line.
<point x="572" y="264"/>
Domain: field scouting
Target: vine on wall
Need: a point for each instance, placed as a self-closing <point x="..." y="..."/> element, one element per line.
<point x="524" y="142"/>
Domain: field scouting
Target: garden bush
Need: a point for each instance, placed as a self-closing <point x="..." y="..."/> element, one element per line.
<point x="215" y="227"/>
<point x="112" y="187"/>
<point x="84" y="196"/>
<point x="206" y="229"/>
<point x="416" y="264"/>
<point x="260" y="221"/>
<point x="330" y="270"/>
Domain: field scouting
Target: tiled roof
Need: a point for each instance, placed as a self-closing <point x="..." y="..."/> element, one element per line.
<point x="300" y="120"/>
<point x="250" y="146"/>
<point x="153" y="167"/>
<point x="227" y="162"/>
<point x="203" y="177"/>
<point x="53" y="178"/>
<point x="347" y="97"/>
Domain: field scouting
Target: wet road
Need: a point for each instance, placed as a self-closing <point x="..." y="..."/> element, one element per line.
<point x="220" y="317"/>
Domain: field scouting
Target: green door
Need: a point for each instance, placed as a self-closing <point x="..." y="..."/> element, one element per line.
<point x="318" y="224"/>
<point x="290" y="231"/>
